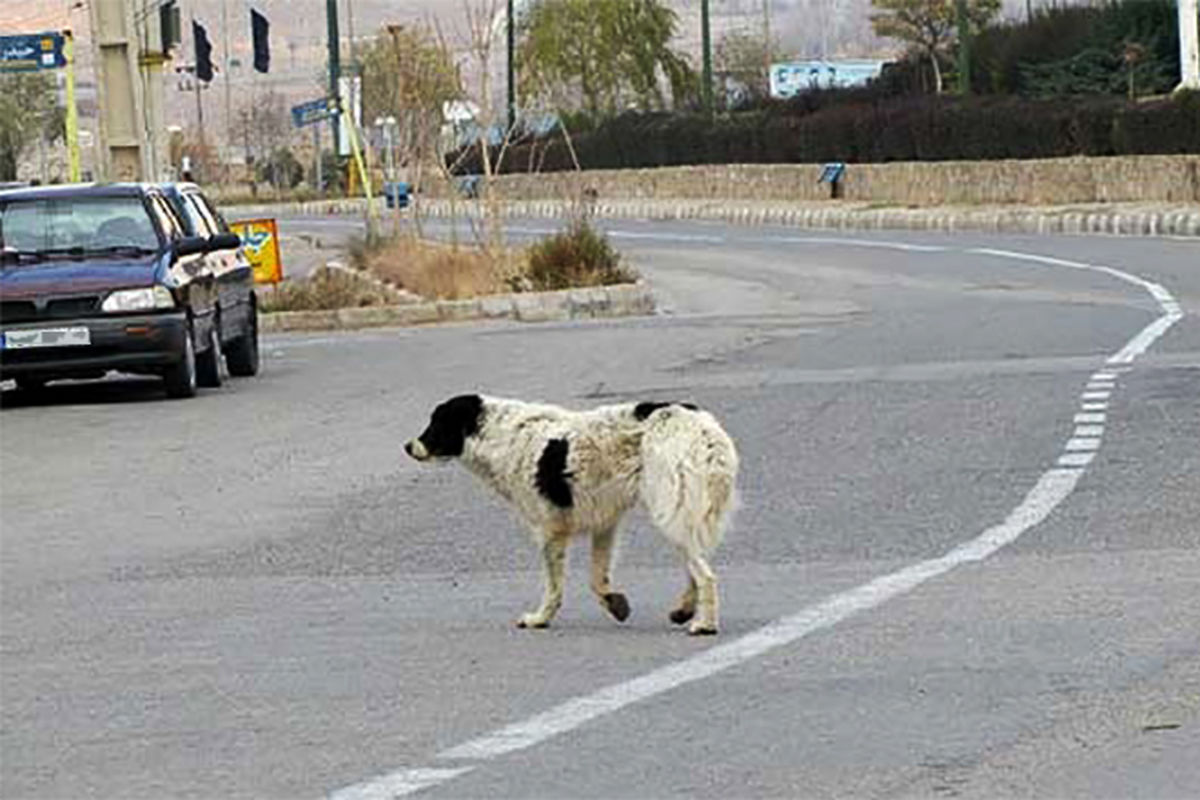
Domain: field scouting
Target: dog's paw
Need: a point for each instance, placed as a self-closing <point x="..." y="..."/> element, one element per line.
<point x="532" y="621"/>
<point x="702" y="629"/>
<point x="617" y="605"/>
<point x="681" y="615"/>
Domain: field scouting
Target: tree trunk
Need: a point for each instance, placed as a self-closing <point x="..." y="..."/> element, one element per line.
<point x="937" y="72"/>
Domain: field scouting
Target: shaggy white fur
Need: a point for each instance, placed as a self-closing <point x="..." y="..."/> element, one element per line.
<point x="578" y="472"/>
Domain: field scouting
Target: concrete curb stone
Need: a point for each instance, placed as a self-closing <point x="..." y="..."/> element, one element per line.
<point x="589" y="303"/>
<point x="1119" y="219"/>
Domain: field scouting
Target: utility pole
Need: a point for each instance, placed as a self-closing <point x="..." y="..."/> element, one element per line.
<point x="1189" y="46"/>
<point x="225" y="67"/>
<point x="706" y="91"/>
<point x="767" y="42"/>
<point x="119" y="90"/>
<point x="964" y="47"/>
<point x="335" y="70"/>
<point x="512" y="85"/>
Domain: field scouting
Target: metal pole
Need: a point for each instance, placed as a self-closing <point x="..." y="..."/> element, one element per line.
<point x="335" y="69"/>
<point x="225" y="67"/>
<point x="964" y="47"/>
<point x="512" y="85"/>
<point x="320" y="187"/>
<point x="767" y="43"/>
<point x="73" y="172"/>
<point x="706" y="44"/>
<point x="1189" y="46"/>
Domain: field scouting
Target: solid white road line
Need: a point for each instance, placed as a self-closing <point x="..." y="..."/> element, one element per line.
<point x="1054" y="486"/>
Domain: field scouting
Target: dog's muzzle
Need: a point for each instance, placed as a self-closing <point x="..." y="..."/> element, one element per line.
<point x="417" y="450"/>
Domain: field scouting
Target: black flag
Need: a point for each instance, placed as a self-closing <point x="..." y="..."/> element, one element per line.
<point x="204" y="66"/>
<point x="261" y="30"/>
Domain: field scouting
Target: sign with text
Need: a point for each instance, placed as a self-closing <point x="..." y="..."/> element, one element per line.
<point x="260" y="241"/>
<point x="313" y="111"/>
<point x="30" y="52"/>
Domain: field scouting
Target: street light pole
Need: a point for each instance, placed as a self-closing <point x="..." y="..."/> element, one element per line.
<point x="512" y="86"/>
<point x="335" y="70"/>
<point x="706" y="44"/>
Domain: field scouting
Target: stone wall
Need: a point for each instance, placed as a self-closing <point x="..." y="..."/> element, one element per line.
<point x="1056" y="181"/>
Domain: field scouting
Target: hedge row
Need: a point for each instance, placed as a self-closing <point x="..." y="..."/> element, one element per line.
<point x="875" y="130"/>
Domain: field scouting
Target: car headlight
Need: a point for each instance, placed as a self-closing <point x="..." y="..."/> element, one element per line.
<point x="150" y="299"/>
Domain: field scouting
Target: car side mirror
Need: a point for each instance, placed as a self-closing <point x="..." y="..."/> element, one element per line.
<point x="225" y="241"/>
<point x="190" y="246"/>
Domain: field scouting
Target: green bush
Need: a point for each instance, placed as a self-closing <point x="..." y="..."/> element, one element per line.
<point x="579" y="256"/>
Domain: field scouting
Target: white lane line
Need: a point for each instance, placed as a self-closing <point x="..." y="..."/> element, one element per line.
<point x="1101" y="385"/>
<point x="1095" y="395"/>
<point x="915" y="248"/>
<point x="1052" y="488"/>
<point x="1088" y="430"/>
<point x="1076" y="459"/>
<point x="1104" y="376"/>
<point x="398" y="784"/>
<point x="1094" y="406"/>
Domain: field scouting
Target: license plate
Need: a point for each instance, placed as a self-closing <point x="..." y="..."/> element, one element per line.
<point x="46" y="337"/>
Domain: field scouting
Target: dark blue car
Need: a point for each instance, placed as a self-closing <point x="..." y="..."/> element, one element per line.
<point x="130" y="277"/>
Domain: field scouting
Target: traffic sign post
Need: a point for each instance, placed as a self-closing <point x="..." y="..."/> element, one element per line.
<point x="314" y="111"/>
<point x="34" y="52"/>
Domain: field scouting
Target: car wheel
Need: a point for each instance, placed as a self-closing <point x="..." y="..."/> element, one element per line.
<point x="181" y="378"/>
<point x="242" y="355"/>
<point x="209" y="366"/>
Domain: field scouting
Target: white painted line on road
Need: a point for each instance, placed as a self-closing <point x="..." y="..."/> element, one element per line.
<point x="1096" y="395"/>
<point x="1093" y="385"/>
<point x="915" y="248"/>
<point x="1052" y="488"/>
<point x="398" y="784"/>
<point x="1094" y="406"/>
<point x="1088" y="430"/>
<point x="1104" y="376"/>
<point x="1076" y="459"/>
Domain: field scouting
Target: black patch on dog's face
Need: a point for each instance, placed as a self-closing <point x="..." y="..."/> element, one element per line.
<point x="450" y="425"/>
<point x="643" y="410"/>
<point x="552" y="479"/>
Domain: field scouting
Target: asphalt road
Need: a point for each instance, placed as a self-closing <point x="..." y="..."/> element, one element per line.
<point x="254" y="594"/>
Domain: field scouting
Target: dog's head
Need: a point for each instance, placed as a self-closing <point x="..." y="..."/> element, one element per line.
<point x="449" y="426"/>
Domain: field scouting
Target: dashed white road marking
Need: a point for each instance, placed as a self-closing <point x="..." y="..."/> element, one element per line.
<point x="1096" y="395"/>
<point x="1094" y="406"/>
<point x="1052" y="488"/>
<point x="1089" y="430"/>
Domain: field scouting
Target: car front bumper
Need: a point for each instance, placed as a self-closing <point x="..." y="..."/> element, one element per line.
<point x="132" y="343"/>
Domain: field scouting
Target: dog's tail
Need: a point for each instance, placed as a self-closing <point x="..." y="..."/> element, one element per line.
<point x="689" y="476"/>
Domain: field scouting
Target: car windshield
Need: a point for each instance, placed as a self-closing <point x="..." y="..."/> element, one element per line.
<point x="76" y="226"/>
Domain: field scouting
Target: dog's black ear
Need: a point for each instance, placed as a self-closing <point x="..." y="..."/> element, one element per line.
<point x="452" y="422"/>
<point x="643" y="410"/>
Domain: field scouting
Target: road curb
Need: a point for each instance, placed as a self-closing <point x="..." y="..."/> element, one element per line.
<point x="833" y="216"/>
<point x="568" y="304"/>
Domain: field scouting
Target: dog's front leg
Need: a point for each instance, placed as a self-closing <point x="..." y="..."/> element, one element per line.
<point x="602" y="553"/>
<point x="554" y="552"/>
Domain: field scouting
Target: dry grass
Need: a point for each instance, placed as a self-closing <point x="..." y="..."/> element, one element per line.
<point x="327" y="289"/>
<point x="441" y="271"/>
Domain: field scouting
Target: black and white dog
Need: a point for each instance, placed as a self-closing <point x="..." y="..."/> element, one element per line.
<point x="578" y="472"/>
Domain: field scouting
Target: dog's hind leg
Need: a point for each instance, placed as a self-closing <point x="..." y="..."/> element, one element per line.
<point x="705" y="622"/>
<point x="602" y="553"/>
<point x="685" y="608"/>
<point x="554" y="551"/>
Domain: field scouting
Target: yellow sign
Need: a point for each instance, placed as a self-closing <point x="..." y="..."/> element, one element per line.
<point x="260" y="240"/>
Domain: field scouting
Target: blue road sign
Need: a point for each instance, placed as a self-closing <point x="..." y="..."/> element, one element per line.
<point x="30" y="52"/>
<point x="313" y="111"/>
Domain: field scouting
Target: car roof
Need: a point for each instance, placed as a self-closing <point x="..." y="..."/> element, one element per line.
<point x="54" y="191"/>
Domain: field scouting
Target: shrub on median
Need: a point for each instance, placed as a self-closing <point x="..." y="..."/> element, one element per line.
<point x="579" y="256"/>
